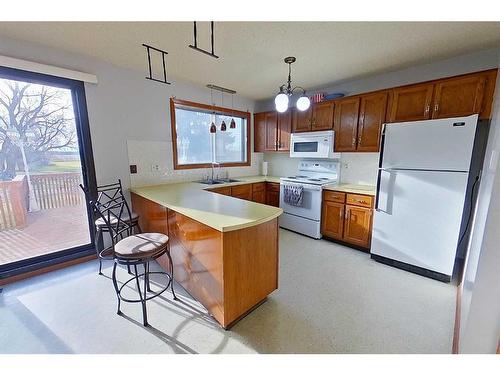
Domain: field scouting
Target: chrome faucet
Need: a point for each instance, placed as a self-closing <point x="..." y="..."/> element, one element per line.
<point x="215" y="165"/>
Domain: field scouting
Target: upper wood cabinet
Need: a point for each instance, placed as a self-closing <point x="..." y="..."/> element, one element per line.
<point x="259" y="131"/>
<point x="357" y="120"/>
<point x="450" y="97"/>
<point x="271" y="131"/>
<point x="284" y="130"/>
<point x="301" y="120"/>
<point x="458" y="96"/>
<point x="322" y="115"/>
<point x="411" y="103"/>
<point x="371" y="117"/>
<point x="346" y="124"/>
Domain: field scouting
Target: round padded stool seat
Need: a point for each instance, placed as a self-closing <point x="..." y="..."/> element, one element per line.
<point x="139" y="246"/>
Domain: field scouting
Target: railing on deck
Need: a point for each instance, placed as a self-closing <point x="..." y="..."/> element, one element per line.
<point x="13" y="203"/>
<point x="53" y="190"/>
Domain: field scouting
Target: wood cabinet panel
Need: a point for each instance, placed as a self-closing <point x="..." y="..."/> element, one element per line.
<point x="459" y="96"/>
<point x="334" y="196"/>
<point x="259" y="126"/>
<point x="259" y="186"/>
<point x="322" y="116"/>
<point x="284" y="130"/>
<point x="259" y="197"/>
<point x="301" y="120"/>
<point x="360" y="200"/>
<point x="411" y="103"/>
<point x="332" y="219"/>
<point x="346" y="124"/>
<point x="242" y="191"/>
<point x="226" y="190"/>
<point x="251" y="259"/>
<point x="259" y="192"/>
<point x="271" y="130"/>
<point x="491" y="79"/>
<point x="357" y="226"/>
<point x="371" y="117"/>
<point x="273" y="194"/>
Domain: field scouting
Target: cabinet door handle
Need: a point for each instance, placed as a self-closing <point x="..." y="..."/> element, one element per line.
<point x="427" y="109"/>
<point x="359" y="141"/>
<point x="353" y="141"/>
<point x="436" y="107"/>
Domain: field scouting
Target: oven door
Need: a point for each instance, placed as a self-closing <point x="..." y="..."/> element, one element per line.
<point x="311" y="202"/>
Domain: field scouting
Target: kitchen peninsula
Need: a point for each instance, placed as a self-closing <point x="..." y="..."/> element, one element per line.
<point x="224" y="249"/>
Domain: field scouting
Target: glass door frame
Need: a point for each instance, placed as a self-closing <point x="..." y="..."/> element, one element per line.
<point x="88" y="171"/>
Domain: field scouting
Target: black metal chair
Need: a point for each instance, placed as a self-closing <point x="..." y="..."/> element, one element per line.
<point x="108" y="192"/>
<point x="131" y="249"/>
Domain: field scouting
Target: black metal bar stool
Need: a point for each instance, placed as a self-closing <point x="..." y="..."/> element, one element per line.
<point x="132" y="250"/>
<point x="107" y="193"/>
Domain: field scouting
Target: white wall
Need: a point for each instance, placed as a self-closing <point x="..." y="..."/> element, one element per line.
<point x="125" y="106"/>
<point x="480" y="305"/>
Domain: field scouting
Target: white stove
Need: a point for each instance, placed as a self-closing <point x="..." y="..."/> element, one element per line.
<point x="312" y="175"/>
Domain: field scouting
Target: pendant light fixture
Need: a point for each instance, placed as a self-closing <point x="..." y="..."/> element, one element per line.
<point x="232" y="125"/>
<point x="282" y="100"/>
<point x="213" y="128"/>
<point x="223" y="125"/>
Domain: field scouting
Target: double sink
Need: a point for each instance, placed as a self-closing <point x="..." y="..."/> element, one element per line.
<point x="217" y="181"/>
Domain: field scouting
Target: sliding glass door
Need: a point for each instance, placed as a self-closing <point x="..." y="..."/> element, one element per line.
<point x="45" y="153"/>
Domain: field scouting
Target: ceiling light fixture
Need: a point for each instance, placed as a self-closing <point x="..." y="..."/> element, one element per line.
<point x="282" y="100"/>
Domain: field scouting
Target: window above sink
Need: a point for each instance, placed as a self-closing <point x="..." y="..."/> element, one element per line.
<point x="194" y="146"/>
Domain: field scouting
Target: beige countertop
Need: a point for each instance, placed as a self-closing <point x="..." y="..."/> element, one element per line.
<point x="218" y="211"/>
<point x="353" y="188"/>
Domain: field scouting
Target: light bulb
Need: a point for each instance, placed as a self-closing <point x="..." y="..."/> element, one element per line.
<point x="303" y="103"/>
<point x="281" y="102"/>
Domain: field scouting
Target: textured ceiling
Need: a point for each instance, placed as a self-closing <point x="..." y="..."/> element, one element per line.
<point x="251" y="53"/>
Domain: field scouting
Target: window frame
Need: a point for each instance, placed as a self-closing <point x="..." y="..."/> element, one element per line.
<point x="185" y="104"/>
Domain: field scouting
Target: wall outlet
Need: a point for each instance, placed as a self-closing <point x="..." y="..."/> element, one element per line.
<point x="133" y="168"/>
<point x="155" y="167"/>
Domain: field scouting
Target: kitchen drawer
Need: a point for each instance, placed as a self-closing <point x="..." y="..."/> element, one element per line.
<point x="259" y="186"/>
<point x="272" y="186"/>
<point x="334" y="196"/>
<point x="242" y="191"/>
<point x="360" y="200"/>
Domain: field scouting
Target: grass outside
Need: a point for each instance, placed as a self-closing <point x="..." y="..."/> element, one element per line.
<point x="60" y="167"/>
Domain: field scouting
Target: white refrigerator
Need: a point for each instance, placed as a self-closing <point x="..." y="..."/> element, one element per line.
<point x="422" y="186"/>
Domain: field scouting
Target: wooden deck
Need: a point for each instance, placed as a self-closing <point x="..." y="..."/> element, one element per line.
<point x="46" y="231"/>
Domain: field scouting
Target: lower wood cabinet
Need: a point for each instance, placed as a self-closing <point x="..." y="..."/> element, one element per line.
<point x="260" y="192"/>
<point x="358" y="225"/>
<point x="242" y="191"/>
<point x="222" y="190"/>
<point x="273" y="194"/>
<point x="347" y="218"/>
<point x="332" y="224"/>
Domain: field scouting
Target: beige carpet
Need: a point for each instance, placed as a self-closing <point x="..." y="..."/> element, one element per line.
<point x="331" y="299"/>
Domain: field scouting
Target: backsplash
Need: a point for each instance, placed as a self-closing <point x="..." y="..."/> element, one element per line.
<point x="357" y="168"/>
<point x="149" y="154"/>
